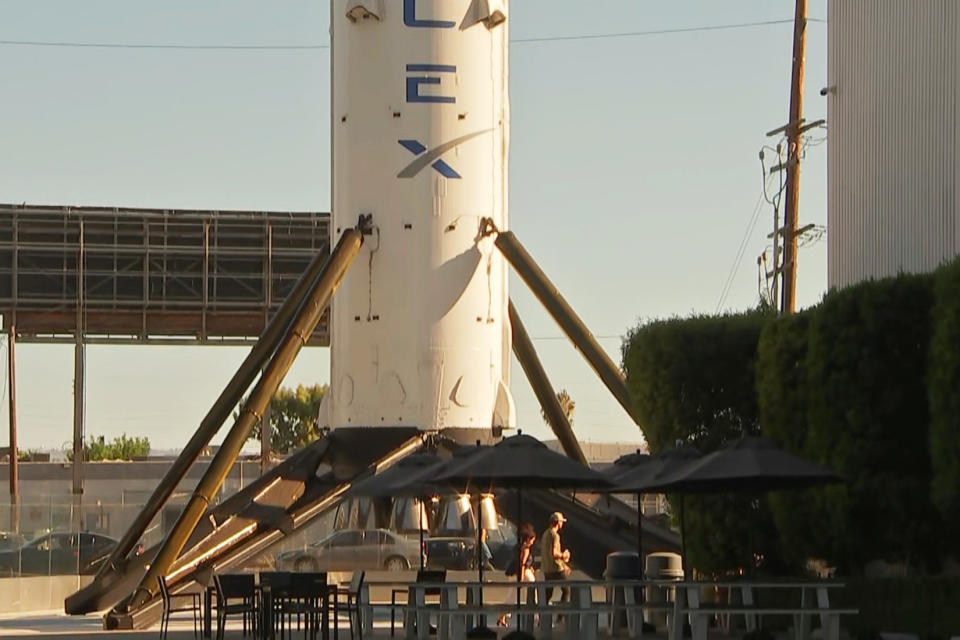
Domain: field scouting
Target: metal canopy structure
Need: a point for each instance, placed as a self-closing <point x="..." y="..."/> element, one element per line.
<point x="120" y="275"/>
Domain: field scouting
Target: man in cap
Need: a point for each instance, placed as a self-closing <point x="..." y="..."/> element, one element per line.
<point x="553" y="557"/>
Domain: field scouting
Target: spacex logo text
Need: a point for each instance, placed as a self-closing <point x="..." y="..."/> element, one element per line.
<point x="429" y="82"/>
<point x="432" y="157"/>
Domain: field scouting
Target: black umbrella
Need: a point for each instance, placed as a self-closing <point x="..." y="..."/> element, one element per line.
<point x="519" y="462"/>
<point x="637" y="472"/>
<point x="408" y="478"/>
<point x="625" y="464"/>
<point x="750" y="464"/>
<point x="747" y="465"/>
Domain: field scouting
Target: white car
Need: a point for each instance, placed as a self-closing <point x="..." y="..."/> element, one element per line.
<point x="354" y="549"/>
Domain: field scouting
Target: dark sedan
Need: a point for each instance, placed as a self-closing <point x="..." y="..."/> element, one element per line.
<point x="451" y="552"/>
<point x="57" y="554"/>
<point x="9" y="540"/>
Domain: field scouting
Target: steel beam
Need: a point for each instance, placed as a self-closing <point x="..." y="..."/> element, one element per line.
<point x="565" y="316"/>
<point x="220" y="410"/>
<point x="333" y="272"/>
<point x="14" y="463"/>
<point x="288" y="498"/>
<point x="537" y="375"/>
<point x="79" y="412"/>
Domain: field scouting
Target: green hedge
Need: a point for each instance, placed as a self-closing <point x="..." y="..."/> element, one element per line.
<point x="783" y="398"/>
<point x="944" y="394"/>
<point x="868" y="419"/>
<point x="867" y="382"/>
<point x="692" y="380"/>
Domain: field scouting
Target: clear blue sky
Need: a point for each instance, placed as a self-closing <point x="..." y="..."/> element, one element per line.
<point x="634" y="171"/>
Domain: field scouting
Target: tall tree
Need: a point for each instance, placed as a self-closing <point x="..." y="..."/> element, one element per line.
<point x="293" y="416"/>
<point x="566" y="403"/>
<point x="123" y="447"/>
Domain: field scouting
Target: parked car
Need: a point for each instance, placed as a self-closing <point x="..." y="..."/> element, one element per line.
<point x="354" y="549"/>
<point x="450" y="552"/>
<point x="57" y="554"/>
<point x="10" y="540"/>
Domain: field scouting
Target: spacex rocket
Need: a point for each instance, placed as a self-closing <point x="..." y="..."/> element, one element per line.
<point x="420" y="334"/>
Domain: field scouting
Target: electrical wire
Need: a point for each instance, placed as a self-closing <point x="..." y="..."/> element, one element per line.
<point x="199" y="47"/>
<point x="314" y="47"/>
<point x="731" y="276"/>
<point x="658" y="32"/>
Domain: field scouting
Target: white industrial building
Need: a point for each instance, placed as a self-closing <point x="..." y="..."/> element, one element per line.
<point x="893" y="188"/>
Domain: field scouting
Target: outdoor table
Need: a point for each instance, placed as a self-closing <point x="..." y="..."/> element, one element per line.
<point x="268" y="597"/>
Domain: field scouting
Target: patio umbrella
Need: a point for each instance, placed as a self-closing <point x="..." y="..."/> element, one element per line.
<point x="408" y="478"/>
<point x="750" y="464"/>
<point x="519" y="462"/>
<point x="637" y="472"/>
<point x="747" y="465"/>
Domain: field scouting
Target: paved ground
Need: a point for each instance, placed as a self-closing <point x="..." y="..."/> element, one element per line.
<point x="90" y="627"/>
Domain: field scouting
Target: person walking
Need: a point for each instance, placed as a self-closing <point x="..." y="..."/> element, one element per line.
<point x="554" y="558"/>
<point x="486" y="557"/>
<point x="522" y="561"/>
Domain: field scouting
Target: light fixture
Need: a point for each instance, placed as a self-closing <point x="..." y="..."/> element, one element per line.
<point x="488" y="513"/>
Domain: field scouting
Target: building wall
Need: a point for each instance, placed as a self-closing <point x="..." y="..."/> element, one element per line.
<point x="893" y="137"/>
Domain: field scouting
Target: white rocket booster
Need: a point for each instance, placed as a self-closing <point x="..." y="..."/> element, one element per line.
<point x="420" y="334"/>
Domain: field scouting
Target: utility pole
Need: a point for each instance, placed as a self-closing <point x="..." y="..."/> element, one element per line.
<point x="788" y="302"/>
<point x="14" y="463"/>
<point x="79" y="388"/>
<point x="777" y="271"/>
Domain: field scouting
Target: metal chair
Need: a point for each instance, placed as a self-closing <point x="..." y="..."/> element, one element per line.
<point x="347" y="600"/>
<point x="170" y="606"/>
<point x="305" y="596"/>
<point x="279" y="583"/>
<point x="236" y="595"/>
<point x="429" y="576"/>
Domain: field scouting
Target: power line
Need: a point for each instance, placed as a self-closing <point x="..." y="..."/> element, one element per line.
<point x="316" y="47"/>
<point x="731" y="276"/>
<point x="658" y="32"/>
<point x="201" y="47"/>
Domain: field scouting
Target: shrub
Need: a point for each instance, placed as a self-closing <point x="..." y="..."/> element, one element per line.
<point x="868" y="418"/>
<point x="944" y="395"/>
<point x="782" y="398"/>
<point x="692" y="380"/>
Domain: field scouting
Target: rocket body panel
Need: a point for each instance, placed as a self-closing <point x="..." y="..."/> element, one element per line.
<point x="419" y="327"/>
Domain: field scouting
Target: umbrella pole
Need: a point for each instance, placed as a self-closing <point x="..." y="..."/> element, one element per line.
<point x="420" y="529"/>
<point x="479" y="545"/>
<point x="683" y="541"/>
<point x="643" y="566"/>
<point x="517" y="634"/>
<point x="481" y="630"/>
<point x="519" y="551"/>
<point x="640" y="529"/>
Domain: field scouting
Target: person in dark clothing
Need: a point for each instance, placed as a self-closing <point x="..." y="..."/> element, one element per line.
<point x="522" y="557"/>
